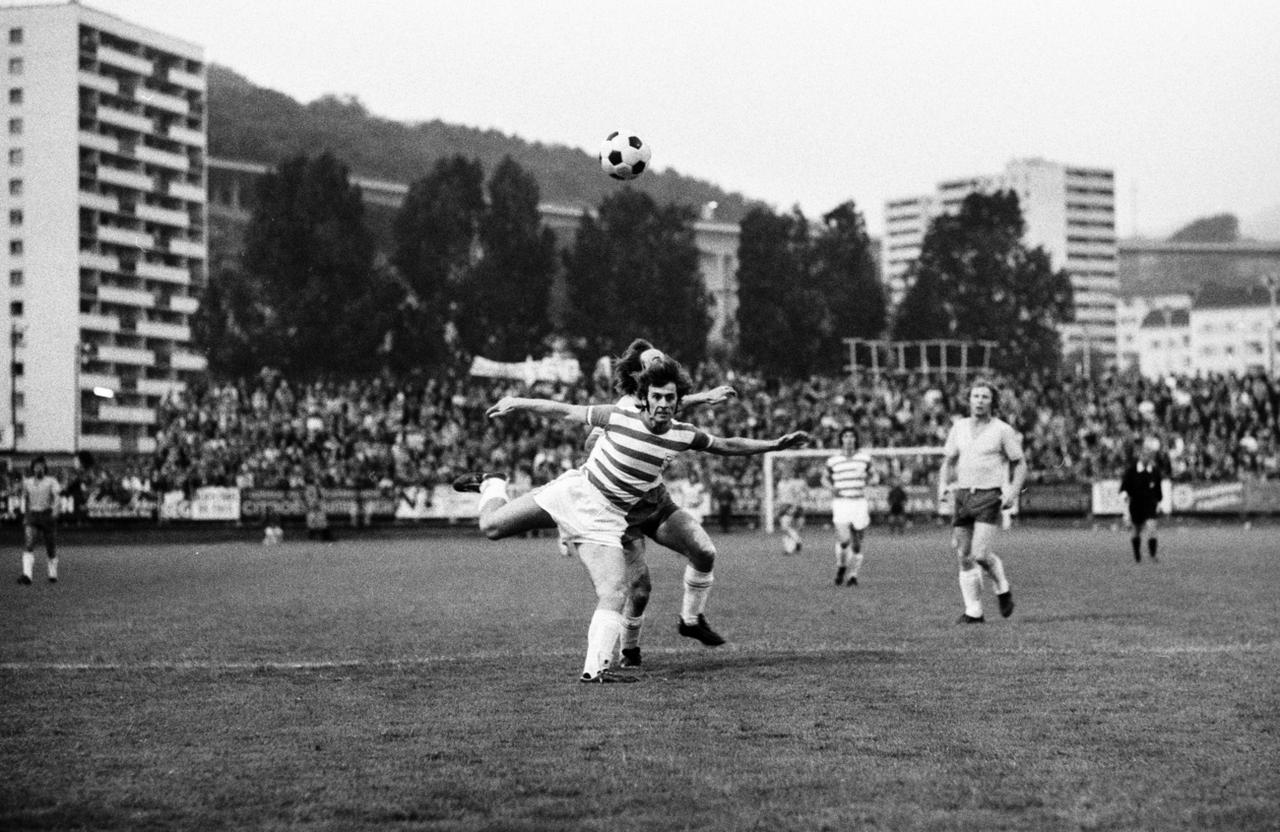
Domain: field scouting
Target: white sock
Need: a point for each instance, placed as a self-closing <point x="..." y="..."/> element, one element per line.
<point x="995" y="567"/>
<point x="857" y="563"/>
<point x="971" y="591"/>
<point x="842" y="557"/>
<point x="697" y="586"/>
<point x="493" y="488"/>
<point x="53" y="567"/>
<point x="28" y="563"/>
<point x="602" y="638"/>
<point x="631" y="631"/>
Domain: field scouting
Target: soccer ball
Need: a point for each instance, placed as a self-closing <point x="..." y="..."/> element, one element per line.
<point x="623" y="155"/>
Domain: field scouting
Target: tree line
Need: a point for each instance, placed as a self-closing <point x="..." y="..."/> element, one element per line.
<point x="470" y="270"/>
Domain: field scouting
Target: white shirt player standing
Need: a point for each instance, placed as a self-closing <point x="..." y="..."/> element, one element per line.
<point x="846" y="475"/>
<point x="979" y="452"/>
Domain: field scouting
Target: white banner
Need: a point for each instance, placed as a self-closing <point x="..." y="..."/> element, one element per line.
<point x="552" y="368"/>
<point x="209" y="503"/>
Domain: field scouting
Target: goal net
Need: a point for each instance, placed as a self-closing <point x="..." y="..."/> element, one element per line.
<point x="795" y="477"/>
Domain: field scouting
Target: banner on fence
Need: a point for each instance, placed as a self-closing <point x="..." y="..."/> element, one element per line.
<point x="1056" y="498"/>
<point x="210" y="502"/>
<point x="1209" y="498"/>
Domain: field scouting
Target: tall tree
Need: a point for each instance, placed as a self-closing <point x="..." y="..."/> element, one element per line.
<point x="783" y="314"/>
<point x="633" y="272"/>
<point x="845" y="271"/>
<point x="311" y="257"/>
<point x="503" y="303"/>
<point x="976" y="280"/>
<point x="434" y="250"/>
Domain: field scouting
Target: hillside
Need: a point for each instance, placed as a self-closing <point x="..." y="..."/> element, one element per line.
<point x="247" y="122"/>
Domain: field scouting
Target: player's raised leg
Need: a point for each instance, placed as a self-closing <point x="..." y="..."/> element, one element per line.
<point x="681" y="532"/>
<point x="984" y="535"/>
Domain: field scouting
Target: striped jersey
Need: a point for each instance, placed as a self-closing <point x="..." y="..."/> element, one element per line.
<point x="849" y="475"/>
<point x="628" y="459"/>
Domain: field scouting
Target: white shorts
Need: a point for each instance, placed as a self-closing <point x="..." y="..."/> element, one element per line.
<point x="849" y="511"/>
<point x="582" y="513"/>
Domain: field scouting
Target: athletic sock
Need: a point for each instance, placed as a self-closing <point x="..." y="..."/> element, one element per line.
<point x="697" y="586"/>
<point x="971" y="591"/>
<point x="631" y="631"/>
<point x="602" y="637"/>
<point x="493" y="490"/>
<point x="28" y="563"/>
<point x="857" y="564"/>
<point x="840" y="570"/>
<point x="53" y="568"/>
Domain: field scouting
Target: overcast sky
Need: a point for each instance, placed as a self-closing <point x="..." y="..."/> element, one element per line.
<point x="807" y="103"/>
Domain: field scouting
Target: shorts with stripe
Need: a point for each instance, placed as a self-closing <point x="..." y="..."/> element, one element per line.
<point x="582" y="513"/>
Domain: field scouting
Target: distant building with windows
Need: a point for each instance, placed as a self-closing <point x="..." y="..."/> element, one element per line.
<point x="104" y="238"/>
<point x="1069" y="211"/>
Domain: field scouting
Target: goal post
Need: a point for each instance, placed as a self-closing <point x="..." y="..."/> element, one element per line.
<point x="795" y="476"/>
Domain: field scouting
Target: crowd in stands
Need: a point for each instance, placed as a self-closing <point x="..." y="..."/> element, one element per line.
<point x="270" y="432"/>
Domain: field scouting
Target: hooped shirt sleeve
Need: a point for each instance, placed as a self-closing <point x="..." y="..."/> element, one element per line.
<point x="598" y="414"/>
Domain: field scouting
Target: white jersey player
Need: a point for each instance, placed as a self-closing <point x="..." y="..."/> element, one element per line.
<point x="846" y="475"/>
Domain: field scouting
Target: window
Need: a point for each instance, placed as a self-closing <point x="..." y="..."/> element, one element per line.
<point x="15" y="248"/>
<point x="15" y="66"/>
<point x="15" y="127"/>
<point x="15" y="216"/>
<point x="15" y="277"/>
<point x="15" y="95"/>
<point x="15" y="187"/>
<point x="15" y="35"/>
<point x="15" y="156"/>
<point x="15" y="309"/>
<point x="19" y="401"/>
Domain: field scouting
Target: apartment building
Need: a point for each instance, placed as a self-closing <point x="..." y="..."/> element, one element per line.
<point x="104" y="239"/>
<point x="1069" y="211"/>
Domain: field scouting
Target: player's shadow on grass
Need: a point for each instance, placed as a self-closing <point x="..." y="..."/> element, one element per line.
<point x="765" y="662"/>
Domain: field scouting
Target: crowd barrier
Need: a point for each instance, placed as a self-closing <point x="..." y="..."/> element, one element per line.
<point x="416" y="504"/>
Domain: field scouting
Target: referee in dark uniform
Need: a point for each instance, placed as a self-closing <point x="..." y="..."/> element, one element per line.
<point x="1142" y="486"/>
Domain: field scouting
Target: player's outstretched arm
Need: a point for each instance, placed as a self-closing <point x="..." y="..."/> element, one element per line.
<point x="744" y="446"/>
<point x="713" y="397"/>
<point x="541" y="407"/>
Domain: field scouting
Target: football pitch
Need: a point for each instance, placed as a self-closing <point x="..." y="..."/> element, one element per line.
<point x="429" y="682"/>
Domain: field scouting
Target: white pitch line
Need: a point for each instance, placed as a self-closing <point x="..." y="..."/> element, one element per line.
<point x="495" y="656"/>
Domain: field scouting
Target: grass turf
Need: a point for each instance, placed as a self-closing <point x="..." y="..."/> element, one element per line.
<point x="429" y="683"/>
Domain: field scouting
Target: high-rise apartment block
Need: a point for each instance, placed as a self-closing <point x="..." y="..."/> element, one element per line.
<point x="1069" y="212"/>
<point x="104" y="227"/>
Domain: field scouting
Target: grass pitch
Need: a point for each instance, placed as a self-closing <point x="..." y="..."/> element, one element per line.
<point x="429" y="683"/>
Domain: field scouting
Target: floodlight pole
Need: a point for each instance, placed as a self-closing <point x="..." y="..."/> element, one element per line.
<point x="1270" y="282"/>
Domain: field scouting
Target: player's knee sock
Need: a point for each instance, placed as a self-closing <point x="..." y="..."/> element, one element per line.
<point x="631" y="630"/>
<point x="1151" y="546"/>
<point x="493" y="493"/>
<point x="53" y="567"/>
<point x="602" y="637"/>
<point x="857" y="564"/>
<point x="995" y="567"/>
<point x="28" y="563"/>
<point x="1136" y="541"/>
<point x="971" y="591"/>
<point x="697" y="586"/>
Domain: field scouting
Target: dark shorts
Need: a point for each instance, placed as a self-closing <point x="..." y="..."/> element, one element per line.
<point x="42" y="520"/>
<point x="1141" y="514"/>
<point x="977" y="505"/>
<point x="646" y="516"/>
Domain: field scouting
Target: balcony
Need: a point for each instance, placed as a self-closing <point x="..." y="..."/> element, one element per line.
<point x="88" y="381"/>
<point x="188" y="248"/>
<point x="125" y="178"/>
<point x="169" y="332"/>
<point x="190" y="80"/>
<point x="187" y="191"/>
<point x="124" y="60"/>
<point x="169" y="274"/>
<point x="161" y="101"/>
<point x="188" y="361"/>
<point x="185" y="305"/>
<point x="99" y="323"/>
<point x="173" y="161"/>
<point x="164" y="216"/>
<point x="128" y="415"/>
<point x="99" y="142"/>
<point x="160" y="386"/>
<point x="99" y="202"/>
<point x="98" y="442"/>
<point x="121" y="118"/>
<point x="125" y="237"/>
<point x="126" y="297"/>
<point x="126" y="355"/>
<point x="101" y="262"/>
<point x="101" y="83"/>
<point x="186" y="135"/>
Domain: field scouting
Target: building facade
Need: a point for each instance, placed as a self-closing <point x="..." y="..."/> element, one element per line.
<point x="105" y="231"/>
<point x="1069" y="212"/>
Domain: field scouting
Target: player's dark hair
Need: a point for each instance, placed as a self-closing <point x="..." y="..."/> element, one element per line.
<point x="627" y="367"/>
<point x="39" y="461"/>
<point x="664" y="371"/>
<point x="849" y="429"/>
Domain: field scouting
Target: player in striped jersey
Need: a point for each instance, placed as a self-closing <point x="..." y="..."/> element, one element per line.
<point x="846" y="475"/>
<point x="590" y="504"/>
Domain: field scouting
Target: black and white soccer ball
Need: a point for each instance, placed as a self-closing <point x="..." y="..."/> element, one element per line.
<point x="624" y="155"/>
